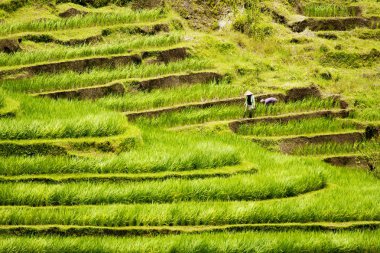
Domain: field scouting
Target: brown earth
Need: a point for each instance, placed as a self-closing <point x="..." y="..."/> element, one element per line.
<point x="297" y="94"/>
<point x="176" y="80"/>
<point x="166" y="56"/>
<point x="336" y="24"/>
<point x="87" y="93"/>
<point x="234" y="126"/>
<point x="348" y="161"/>
<point x="10" y="46"/>
<point x="72" y="12"/>
<point x="289" y="144"/>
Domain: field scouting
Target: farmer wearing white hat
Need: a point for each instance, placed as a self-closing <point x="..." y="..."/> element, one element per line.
<point x="249" y="103"/>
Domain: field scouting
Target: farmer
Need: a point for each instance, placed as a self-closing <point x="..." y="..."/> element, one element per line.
<point x="269" y="101"/>
<point x="249" y="103"/>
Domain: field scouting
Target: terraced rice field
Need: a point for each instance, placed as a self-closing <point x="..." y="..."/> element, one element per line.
<point x="123" y="130"/>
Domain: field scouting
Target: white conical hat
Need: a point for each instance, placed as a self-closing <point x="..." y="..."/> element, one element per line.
<point x="247" y="93"/>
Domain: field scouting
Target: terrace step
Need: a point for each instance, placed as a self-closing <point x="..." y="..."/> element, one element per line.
<point x="335" y="24"/>
<point x="228" y="171"/>
<point x="64" y="147"/>
<point x="227" y="101"/>
<point x="342" y="113"/>
<point x="93" y="92"/>
<point x="176" y="80"/>
<point x="65" y="230"/>
<point x="151" y="28"/>
<point x="78" y="65"/>
<point x="130" y="30"/>
<point x="288" y="145"/>
<point x="351" y="160"/>
<point x="83" y="64"/>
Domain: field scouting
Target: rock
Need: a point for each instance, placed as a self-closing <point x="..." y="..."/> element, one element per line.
<point x="71" y="12"/>
<point x="10" y="46"/>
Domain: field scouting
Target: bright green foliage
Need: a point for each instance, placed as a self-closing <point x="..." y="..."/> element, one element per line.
<point x="328" y="10"/>
<point x="93" y="19"/>
<point x="319" y="125"/>
<point x="71" y="80"/>
<point x="247" y="187"/>
<point x="63" y="53"/>
<point x="336" y="148"/>
<point x="196" y="116"/>
<point x="289" y="241"/>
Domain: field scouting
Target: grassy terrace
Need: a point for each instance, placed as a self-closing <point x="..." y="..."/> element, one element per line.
<point x="110" y="48"/>
<point x="295" y="127"/>
<point x="44" y="118"/>
<point x="72" y="80"/>
<point x="93" y="19"/>
<point x="364" y="148"/>
<point x="172" y="96"/>
<point x="246" y="187"/>
<point x="292" y="241"/>
<point x="197" y="116"/>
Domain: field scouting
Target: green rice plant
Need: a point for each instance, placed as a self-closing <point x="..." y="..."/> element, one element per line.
<point x="356" y="195"/>
<point x="246" y="187"/>
<point x="46" y="118"/>
<point x="72" y="80"/>
<point x="224" y="112"/>
<point x="92" y="19"/>
<point x="360" y="203"/>
<point x="172" y="96"/>
<point x="328" y="10"/>
<point x="337" y="148"/>
<point x="295" y="127"/>
<point x="64" y="53"/>
<point x="185" y="153"/>
<point x="265" y="241"/>
<point x="106" y="124"/>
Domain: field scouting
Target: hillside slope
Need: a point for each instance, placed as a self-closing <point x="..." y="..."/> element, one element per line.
<point x="122" y="126"/>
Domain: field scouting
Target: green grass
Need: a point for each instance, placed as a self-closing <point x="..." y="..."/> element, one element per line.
<point x="336" y="148"/>
<point x="113" y="48"/>
<point x="186" y="153"/>
<point x="295" y="127"/>
<point x="106" y="124"/>
<point x="172" y="96"/>
<point x="71" y="80"/>
<point x="327" y="10"/>
<point x="46" y="118"/>
<point x="246" y="187"/>
<point x="92" y="19"/>
<point x="196" y="116"/>
<point x="289" y="241"/>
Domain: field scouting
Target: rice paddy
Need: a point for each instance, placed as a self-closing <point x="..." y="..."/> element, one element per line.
<point x="321" y="125"/>
<point x="328" y="10"/>
<point x="77" y="173"/>
<point x="72" y="80"/>
<point x="63" y="53"/>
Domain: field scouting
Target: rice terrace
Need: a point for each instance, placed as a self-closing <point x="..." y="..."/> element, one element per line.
<point x="189" y="126"/>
